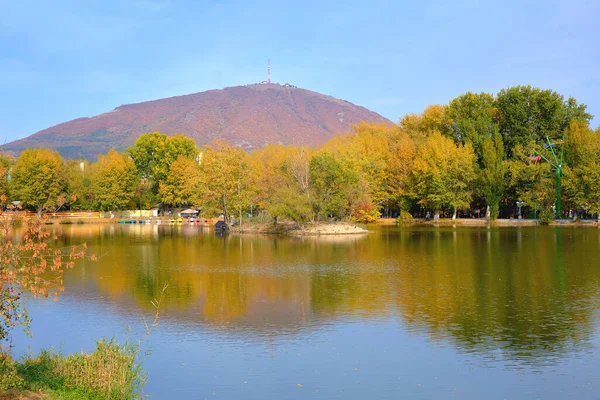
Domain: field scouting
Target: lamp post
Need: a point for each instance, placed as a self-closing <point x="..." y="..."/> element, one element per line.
<point x="519" y="205"/>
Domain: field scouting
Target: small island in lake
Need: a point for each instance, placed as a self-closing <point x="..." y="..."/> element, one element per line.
<point x="293" y="229"/>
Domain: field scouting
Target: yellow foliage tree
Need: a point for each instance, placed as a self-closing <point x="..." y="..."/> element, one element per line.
<point x="182" y="184"/>
<point x="443" y="174"/>
<point x="403" y="151"/>
<point x="38" y="179"/>
<point x="224" y="179"/>
<point x="432" y="119"/>
<point x="114" y="180"/>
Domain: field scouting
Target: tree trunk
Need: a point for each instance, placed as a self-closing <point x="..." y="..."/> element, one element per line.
<point x="225" y="216"/>
<point x="454" y="214"/>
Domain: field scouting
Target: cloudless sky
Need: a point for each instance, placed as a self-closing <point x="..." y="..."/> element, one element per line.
<point x="64" y="59"/>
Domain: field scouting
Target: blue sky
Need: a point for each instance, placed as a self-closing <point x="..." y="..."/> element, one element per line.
<point x="65" y="59"/>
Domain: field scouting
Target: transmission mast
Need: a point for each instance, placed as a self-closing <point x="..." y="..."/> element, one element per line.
<point x="269" y="71"/>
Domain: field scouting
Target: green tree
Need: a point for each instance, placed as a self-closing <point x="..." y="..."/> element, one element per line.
<point x="153" y="154"/>
<point x="492" y="176"/>
<point x="472" y="119"/>
<point x="331" y="186"/>
<point x="38" y="179"/>
<point x="114" y="181"/>
<point x="529" y="115"/>
<point x="78" y="184"/>
<point x="530" y="180"/>
<point x="286" y="201"/>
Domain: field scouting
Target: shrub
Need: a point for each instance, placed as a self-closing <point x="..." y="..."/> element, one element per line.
<point x="66" y="221"/>
<point x="111" y="371"/>
<point x="546" y="216"/>
<point x="366" y="213"/>
<point x="9" y="378"/>
<point x="405" y="217"/>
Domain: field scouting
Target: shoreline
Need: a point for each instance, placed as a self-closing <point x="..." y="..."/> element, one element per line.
<point x="484" y="222"/>
<point x="292" y="229"/>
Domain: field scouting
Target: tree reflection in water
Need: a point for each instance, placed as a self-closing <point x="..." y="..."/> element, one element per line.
<point x="524" y="294"/>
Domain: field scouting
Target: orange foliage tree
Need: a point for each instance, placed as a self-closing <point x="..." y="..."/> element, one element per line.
<point x="29" y="262"/>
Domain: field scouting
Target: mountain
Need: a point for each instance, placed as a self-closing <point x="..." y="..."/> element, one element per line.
<point x="249" y="116"/>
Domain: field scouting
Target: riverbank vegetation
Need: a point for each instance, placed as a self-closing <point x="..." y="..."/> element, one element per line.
<point x="478" y="156"/>
<point x="111" y="371"/>
<point x="31" y="260"/>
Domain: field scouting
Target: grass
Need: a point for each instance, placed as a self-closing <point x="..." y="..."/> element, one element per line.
<point x="111" y="371"/>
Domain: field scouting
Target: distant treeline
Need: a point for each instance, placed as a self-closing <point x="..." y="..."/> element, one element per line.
<point x="478" y="151"/>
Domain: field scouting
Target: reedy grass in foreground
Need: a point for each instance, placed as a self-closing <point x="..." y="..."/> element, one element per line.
<point x="111" y="371"/>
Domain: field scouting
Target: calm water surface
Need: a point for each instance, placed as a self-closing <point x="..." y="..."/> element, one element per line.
<point x="416" y="313"/>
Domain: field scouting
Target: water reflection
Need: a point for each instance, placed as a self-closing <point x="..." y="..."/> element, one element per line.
<point x="523" y="294"/>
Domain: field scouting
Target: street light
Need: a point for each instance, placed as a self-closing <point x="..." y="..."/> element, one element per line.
<point x="519" y="205"/>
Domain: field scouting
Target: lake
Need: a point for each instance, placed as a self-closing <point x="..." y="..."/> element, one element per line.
<point x="409" y="312"/>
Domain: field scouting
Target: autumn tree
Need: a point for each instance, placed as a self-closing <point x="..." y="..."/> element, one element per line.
<point x="282" y="178"/>
<point x="29" y="262"/>
<point x="6" y="163"/>
<point x="581" y="181"/>
<point x="182" y="184"/>
<point x="366" y="155"/>
<point x="224" y="179"/>
<point x="443" y="174"/>
<point x="38" y="180"/>
<point x="432" y="119"/>
<point x="153" y="154"/>
<point x="114" y="180"/>
<point x="402" y="154"/>
<point x="266" y="168"/>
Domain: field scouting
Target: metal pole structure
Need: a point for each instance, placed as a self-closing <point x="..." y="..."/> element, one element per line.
<point x="558" y="168"/>
<point x="558" y="175"/>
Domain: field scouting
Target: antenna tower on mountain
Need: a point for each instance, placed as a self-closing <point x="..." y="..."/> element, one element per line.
<point x="269" y="71"/>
